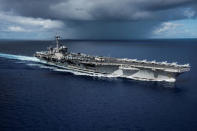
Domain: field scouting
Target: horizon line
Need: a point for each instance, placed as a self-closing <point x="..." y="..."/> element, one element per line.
<point x="73" y="39"/>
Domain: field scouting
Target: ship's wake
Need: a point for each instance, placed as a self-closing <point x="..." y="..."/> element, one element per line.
<point x="33" y="61"/>
<point x="19" y="57"/>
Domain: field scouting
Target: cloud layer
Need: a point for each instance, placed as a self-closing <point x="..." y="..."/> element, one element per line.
<point x="97" y="17"/>
<point x="29" y="21"/>
<point x="101" y="9"/>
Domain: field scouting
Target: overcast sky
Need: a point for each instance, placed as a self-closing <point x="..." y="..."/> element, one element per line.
<point x="98" y="19"/>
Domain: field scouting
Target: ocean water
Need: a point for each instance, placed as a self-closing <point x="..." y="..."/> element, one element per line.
<point x="35" y="96"/>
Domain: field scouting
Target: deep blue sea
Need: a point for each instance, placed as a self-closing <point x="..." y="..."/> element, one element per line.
<point x="34" y="96"/>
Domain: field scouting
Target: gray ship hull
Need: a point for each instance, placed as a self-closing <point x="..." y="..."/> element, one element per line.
<point x="115" y="71"/>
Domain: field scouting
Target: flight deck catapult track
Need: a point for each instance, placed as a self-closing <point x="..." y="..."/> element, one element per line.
<point x="107" y="66"/>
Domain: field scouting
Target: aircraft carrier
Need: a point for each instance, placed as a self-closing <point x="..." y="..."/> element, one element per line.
<point x="116" y="67"/>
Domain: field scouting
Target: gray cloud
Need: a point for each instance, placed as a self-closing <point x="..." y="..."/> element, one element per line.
<point x="112" y="29"/>
<point x="98" y="10"/>
<point x="104" y="18"/>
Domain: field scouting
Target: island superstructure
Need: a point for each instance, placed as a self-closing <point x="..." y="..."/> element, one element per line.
<point x="107" y="66"/>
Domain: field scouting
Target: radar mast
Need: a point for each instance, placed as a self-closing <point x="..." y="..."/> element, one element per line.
<point x="57" y="41"/>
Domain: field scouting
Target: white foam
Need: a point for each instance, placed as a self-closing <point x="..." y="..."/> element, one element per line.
<point x="19" y="57"/>
<point x="34" y="59"/>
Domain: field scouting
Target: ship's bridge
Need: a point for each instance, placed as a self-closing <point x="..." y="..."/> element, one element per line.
<point x="63" y="49"/>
